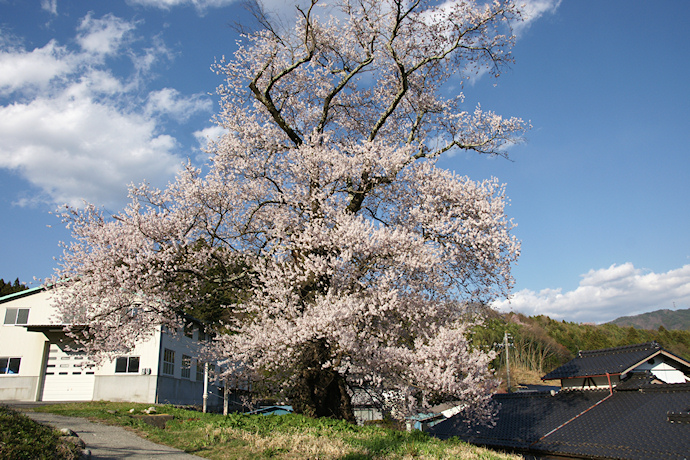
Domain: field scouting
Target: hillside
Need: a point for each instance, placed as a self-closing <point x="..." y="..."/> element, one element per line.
<point x="669" y="319"/>
<point x="540" y="344"/>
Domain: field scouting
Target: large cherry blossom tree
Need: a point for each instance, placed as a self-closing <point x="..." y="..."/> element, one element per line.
<point x="340" y="252"/>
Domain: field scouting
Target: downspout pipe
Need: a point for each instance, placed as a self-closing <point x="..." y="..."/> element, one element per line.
<point x="159" y="381"/>
<point x="608" y="376"/>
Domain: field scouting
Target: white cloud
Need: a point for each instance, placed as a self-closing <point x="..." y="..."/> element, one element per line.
<point x="281" y="12"/>
<point x="205" y="4"/>
<point x="49" y="6"/>
<point x="74" y="129"/>
<point x="51" y="67"/>
<point x="169" y="101"/>
<point x="206" y="138"/>
<point x="151" y="55"/>
<point x="210" y="134"/>
<point x="76" y="148"/>
<point x="532" y="11"/>
<point x="606" y="294"/>
<point x="200" y="5"/>
<point x="103" y="36"/>
<point x="34" y="69"/>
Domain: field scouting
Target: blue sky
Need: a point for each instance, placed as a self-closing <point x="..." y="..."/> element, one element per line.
<point x="96" y="95"/>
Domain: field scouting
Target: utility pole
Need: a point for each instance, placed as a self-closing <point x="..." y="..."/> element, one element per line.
<point x="506" y="336"/>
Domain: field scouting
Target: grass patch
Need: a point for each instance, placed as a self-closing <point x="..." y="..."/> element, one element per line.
<point x="240" y="436"/>
<point x="22" y="438"/>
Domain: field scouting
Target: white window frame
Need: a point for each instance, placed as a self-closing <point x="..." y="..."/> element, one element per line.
<point x="168" y="361"/>
<point x="4" y="368"/>
<point x="129" y="364"/>
<point x="186" y="369"/>
<point x="12" y="316"/>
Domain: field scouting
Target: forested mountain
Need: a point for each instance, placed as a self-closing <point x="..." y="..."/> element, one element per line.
<point x="669" y="319"/>
<point x="11" y="288"/>
<point x="540" y="344"/>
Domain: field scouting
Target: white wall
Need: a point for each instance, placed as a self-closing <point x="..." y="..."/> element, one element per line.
<point x="663" y="370"/>
<point x="17" y="342"/>
<point x="133" y="387"/>
<point x="148" y="385"/>
<point x="147" y="351"/>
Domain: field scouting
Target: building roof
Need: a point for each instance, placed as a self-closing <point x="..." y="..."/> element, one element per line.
<point x="618" y="360"/>
<point x="522" y="418"/>
<point x="19" y="294"/>
<point x="632" y="424"/>
<point x="636" y="379"/>
<point x="641" y="422"/>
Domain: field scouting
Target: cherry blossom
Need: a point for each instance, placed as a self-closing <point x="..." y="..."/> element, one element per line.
<point x="341" y="253"/>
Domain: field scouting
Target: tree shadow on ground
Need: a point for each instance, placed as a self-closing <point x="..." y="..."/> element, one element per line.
<point x="398" y="442"/>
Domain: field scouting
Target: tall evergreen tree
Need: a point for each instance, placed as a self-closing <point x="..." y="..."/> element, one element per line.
<point x="10" y="288"/>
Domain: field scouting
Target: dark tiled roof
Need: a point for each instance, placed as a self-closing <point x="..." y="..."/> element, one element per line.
<point x="630" y="425"/>
<point x="641" y="423"/>
<point x="522" y="418"/>
<point x="608" y="360"/>
<point x="637" y="379"/>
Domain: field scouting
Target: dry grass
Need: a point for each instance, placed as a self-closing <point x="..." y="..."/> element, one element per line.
<point x="281" y="445"/>
<point x="520" y="376"/>
<point x="245" y="437"/>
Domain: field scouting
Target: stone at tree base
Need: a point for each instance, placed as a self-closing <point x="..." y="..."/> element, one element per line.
<point x="157" y="420"/>
<point x="76" y="440"/>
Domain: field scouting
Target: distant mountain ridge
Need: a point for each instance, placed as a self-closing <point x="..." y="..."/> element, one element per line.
<point x="669" y="319"/>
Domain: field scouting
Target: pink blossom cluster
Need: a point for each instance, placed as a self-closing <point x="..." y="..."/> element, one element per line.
<point x="325" y="191"/>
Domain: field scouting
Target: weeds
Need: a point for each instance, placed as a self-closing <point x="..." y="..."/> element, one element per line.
<point x="22" y="438"/>
<point x="239" y="436"/>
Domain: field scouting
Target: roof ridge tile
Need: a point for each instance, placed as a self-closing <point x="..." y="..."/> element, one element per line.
<point x="621" y="349"/>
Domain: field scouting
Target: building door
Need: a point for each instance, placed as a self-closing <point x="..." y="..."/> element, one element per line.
<point x="67" y="376"/>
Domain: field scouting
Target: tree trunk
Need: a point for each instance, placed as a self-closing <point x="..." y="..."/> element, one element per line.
<point x="320" y="392"/>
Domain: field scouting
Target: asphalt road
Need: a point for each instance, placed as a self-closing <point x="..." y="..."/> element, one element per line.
<point x="108" y="442"/>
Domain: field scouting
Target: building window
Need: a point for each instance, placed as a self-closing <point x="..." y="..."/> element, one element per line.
<point x="168" y="362"/>
<point x="211" y="372"/>
<point x="17" y="316"/>
<point x="199" y="370"/>
<point x="189" y="331"/>
<point x="128" y="314"/>
<point x="186" y="366"/>
<point x="129" y="364"/>
<point x="9" y="365"/>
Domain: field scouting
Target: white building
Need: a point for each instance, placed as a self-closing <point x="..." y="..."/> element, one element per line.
<point x="37" y="364"/>
<point x="601" y="369"/>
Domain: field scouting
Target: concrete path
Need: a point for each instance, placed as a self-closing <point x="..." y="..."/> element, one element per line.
<point x="109" y="442"/>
